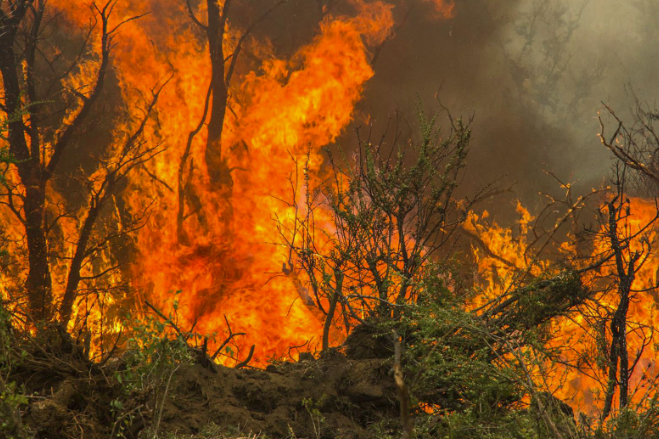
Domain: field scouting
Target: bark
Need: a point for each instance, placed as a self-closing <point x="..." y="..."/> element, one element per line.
<point x="38" y="283"/>
<point x="33" y="170"/>
<point x="618" y="356"/>
<point x="403" y="392"/>
<point x="74" y="277"/>
<point x="218" y="170"/>
<point x="338" y="276"/>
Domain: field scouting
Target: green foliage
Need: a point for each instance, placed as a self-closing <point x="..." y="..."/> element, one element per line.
<point x="463" y="425"/>
<point x="154" y="353"/>
<point x="11" y="399"/>
<point x="313" y="409"/>
<point x="12" y="396"/>
<point x="214" y="431"/>
<point x="449" y="357"/>
<point x="151" y="353"/>
<point x="471" y="373"/>
<point x="394" y="210"/>
<point x="391" y="211"/>
<point x="632" y="423"/>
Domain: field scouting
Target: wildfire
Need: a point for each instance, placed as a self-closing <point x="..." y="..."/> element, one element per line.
<point x="511" y="258"/>
<point x="221" y="255"/>
<point x="216" y="246"/>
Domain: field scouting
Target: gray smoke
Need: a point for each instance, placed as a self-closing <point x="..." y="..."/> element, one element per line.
<point x="534" y="73"/>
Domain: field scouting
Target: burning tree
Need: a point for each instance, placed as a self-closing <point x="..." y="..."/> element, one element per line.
<point x="636" y="145"/>
<point x="51" y="99"/>
<point x="630" y="248"/>
<point x="598" y="351"/>
<point x="363" y="239"/>
<point x="224" y="144"/>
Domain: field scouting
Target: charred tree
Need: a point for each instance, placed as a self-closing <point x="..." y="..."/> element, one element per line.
<point x="38" y="142"/>
<point x="627" y="263"/>
<point x="635" y="144"/>
<point x="391" y="212"/>
<point x="25" y="141"/>
<point x="218" y="169"/>
<point x="223" y="66"/>
<point x="32" y="174"/>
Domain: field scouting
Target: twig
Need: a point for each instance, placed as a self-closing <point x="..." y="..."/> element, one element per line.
<point x="247" y="360"/>
<point x="162" y="316"/>
<point x="162" y="402"/>
<point x="228" y="339"/>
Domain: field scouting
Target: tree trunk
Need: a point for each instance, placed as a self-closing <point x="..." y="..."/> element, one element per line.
<point x="218" y="169"/>
<point x="338" y="276"/>
<point x="74" y="277"/>
<point x="39" y="283"/>
<point x="618" y="355"/>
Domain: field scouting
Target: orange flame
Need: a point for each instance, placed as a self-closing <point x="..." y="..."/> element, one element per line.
<point x="281" y="109"/>
<point x="576" y="339"/>
<point x="444" y="8"/>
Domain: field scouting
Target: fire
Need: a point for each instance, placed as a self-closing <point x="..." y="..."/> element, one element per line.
<point x="444" y="8"/>
<point x="221" y="256"/>
<point x="511" y="258"/>
<point x="497" y="274"/>
<point x="217" y="247"/>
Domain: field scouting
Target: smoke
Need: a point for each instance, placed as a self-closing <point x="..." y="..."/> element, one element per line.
<point x="533" y="72"/>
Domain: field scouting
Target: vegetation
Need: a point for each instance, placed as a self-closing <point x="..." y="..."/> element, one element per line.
<point x="460" y="371"/>
<point x="431" y="328"/>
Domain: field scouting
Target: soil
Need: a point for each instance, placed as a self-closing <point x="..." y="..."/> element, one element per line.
<point x="336" y="396"/>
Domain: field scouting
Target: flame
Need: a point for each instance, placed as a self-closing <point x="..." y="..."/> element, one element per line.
<point x="511" y="258"/>
<point x="282" y="111"/>
<point x="445" y="8"/>
<point x="226" y="266"/>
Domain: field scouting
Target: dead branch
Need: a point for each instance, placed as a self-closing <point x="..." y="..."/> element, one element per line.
<point x="248" y="359"/>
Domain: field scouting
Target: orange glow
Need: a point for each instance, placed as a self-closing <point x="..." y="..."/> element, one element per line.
<point x="572" y="334"/>
<point x="444" y="8"/>
<point x="223" y="260"/>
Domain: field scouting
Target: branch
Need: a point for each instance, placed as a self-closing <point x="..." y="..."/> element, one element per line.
<point x="228" y="339"/>
<point x="247" y="360"/>
<point x="192" y="16"/>
<point x="166" y="319"/>
<point x="62" y="142"/>
<point x="403" y="393"/>
<point x="236" y="52"/>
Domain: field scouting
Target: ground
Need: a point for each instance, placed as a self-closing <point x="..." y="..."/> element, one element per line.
<point x="341" y="394"/>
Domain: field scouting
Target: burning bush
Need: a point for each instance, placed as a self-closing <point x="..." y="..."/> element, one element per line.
<point x="205" y="165"/>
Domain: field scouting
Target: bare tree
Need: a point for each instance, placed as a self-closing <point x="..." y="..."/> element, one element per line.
<point x="627" y="259"/>
<point x="636" y="144"/>
<point x="391" y="212"/>
<point x="223" y="67"/>
<point x="540" y="68"/>
<point x="38" y="141"/>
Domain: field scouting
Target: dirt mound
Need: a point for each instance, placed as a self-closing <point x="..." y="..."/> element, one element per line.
<point x="331" y="397"/>
<point x="369" y="341"/>
<point x="337" y="396"/>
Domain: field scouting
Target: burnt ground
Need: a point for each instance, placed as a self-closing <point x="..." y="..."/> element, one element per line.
<point x="336" y="396"/>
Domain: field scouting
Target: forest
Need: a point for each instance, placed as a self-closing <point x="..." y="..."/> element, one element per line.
<point x="352" y="219"/>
